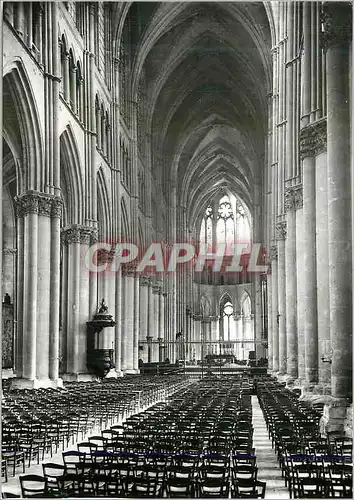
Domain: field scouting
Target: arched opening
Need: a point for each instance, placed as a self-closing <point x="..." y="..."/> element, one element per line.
<point x="9" y="259"/>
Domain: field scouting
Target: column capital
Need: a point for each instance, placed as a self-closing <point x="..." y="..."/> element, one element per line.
<point x="313" y="139"/>
<point x="129" y="270"/>
<point x="105" y="256"/>
<point x="144" y="280"/>
<point x="298" y="196"/>
<point x="280" y="230"/>
<point x="336" y="18"/>
<point x="289" y="199"/>
<point x="156" y="289"/>
<point x="78" y="234"/>
<point x="197" y="317"/>
<point x="273" y="252"/>
<point x="35" y="202"/>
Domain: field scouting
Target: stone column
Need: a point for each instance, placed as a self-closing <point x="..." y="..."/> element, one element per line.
<point x="269" y="333"/>
<point x="128" y="274"/>
<point x="259" y="350"/>
<point x="275" y="317"/>
<point x="309" y="252"/>
<point x="161" y="329"/>
<point x="337" y="39"/>
<point x="20" y="19"/>
<point x="151" y="322"/>
<point x="281" y="235"/>
<point x="136" y="325"/>
<point x="118" y="327"/>
<point x="290" y="285"/>
<point x="73" y="101"/>
<point x="214" y="337"/>
<point x="300" y="277"/>
<point x="143" y="316"/>
<point x="238" y="319"/>
<point x="54" y="350"/>
<point x="247" y="335"/>
<point x="155" y="346"/>
<point x="77" y="238"/>
<point x="37" y="355"/>
<point x="324" y="337"/>
<point x="207" y="335"/>
<point x="198" y="337"/>
<point x="192" y="337"/>
<point x="66" y="76"/>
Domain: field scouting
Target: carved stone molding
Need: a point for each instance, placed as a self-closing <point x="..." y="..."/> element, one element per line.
<point x="198" y="317"/>
<point x="34" y="202"/>
<point x="280" y="230"/>
<point x="57" y="207"/>
<point x="78" y="234"/>
<point x="10" y="251"/>
<point x="298" y="196"/>
<point x="144" y="281"/>
<point x="289" y="199"/>
<point x="313" y="139"/>
<point x="336" y="18"/>
<point x="273" y="252"/>
<point x="105" y="256"/>
<point x="156" y="289"/>
<point x="129" y="270"/>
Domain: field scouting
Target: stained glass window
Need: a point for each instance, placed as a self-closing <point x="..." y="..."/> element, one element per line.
<point x="230" y="222"/>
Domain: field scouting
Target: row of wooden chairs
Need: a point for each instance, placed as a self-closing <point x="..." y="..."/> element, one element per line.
<point x="312" y="466"/>
<point x="38" y="423"/>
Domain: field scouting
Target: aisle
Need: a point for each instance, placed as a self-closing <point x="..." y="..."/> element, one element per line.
<point x="268" y="468"/>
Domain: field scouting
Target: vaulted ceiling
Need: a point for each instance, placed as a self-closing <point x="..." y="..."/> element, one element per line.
<point x="207" y="68"/>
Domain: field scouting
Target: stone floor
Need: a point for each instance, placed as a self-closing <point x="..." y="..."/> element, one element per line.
<point x="268" y="469"/>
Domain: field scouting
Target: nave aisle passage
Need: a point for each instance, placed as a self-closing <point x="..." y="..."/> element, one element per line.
<point x="268" y="468"/>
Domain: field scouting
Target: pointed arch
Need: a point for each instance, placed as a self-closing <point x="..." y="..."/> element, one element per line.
<point x="71" y="178"/>
<point x="246" y="303"/>
<point x="224" y="299"/>
<point x="30" y="142"/>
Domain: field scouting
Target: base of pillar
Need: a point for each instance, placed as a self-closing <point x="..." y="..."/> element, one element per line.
<point x="337" y="414"/>
<point x="289" y="380"/>
<point x="308" y="391"/>
<point x="7" y="373"/>
<point x="131" y="372"/>
<point x="297" y="383"/>
<point x="282" y="377"/>
<point x="45" y="383"/>
<point x="348" y="423"/>
<point x="119" y="373"/>
<point x="112" y="374"/>
<point x="79" y="377"/>
<point x="324" y="389"/>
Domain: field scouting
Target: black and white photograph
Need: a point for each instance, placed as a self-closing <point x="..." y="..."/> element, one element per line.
<point x="177" y="262"/>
